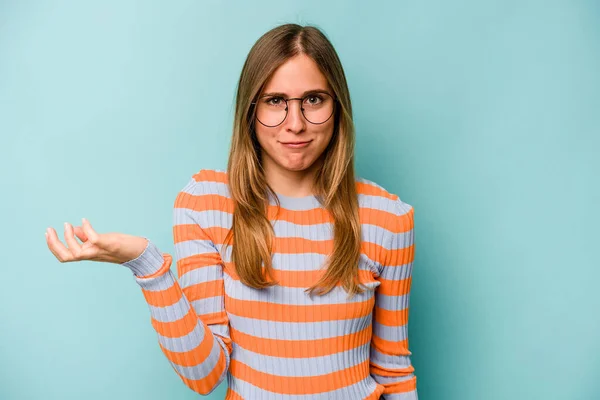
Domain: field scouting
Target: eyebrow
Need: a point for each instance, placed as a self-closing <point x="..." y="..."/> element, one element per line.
<point x="303" y="94"/>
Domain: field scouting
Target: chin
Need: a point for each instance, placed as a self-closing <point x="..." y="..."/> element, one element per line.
<point x="296" y="166"/>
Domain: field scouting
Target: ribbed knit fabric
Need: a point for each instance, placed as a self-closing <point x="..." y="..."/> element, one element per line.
<point x="279" y="343"/>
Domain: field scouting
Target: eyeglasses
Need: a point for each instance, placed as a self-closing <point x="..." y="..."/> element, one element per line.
<point x="317" y="108"/>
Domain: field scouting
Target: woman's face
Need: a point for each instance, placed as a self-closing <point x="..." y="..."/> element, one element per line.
<point x="293" y="79"/>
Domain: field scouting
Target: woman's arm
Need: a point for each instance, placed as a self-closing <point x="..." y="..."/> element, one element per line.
<point x="188" y="315"/>
<point x="390" y="363"/>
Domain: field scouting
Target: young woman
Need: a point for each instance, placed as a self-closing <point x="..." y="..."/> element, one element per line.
<point x="294" y="274"/>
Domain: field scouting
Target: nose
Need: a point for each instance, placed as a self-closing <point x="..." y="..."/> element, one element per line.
<point x="295" y="120"/>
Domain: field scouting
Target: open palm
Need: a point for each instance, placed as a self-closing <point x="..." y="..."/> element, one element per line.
<point x="104" y="247"/>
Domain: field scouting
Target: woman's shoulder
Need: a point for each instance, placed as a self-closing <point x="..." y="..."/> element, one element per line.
<point x="382" y="209"/>
<point x="208" y="175"/>
<point x="373" y="195"/>
<point x="207" y="181"/>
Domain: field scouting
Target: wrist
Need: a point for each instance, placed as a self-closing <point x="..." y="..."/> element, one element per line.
<point x="148" y="262"/>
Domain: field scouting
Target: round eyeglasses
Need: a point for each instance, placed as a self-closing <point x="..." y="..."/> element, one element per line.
<point x="272" y="109"/>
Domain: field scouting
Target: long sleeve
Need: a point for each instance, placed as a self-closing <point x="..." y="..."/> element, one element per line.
<point x="188" y="315"/>
<point x="390" y="363"/>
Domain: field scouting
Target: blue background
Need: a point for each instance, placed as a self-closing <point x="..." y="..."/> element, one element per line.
<point x="484" y="115"/>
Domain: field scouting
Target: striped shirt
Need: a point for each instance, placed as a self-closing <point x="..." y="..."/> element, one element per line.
<point x="278" y="342"/>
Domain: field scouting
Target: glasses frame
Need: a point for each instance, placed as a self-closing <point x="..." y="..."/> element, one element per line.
<point x="287" y="107"/>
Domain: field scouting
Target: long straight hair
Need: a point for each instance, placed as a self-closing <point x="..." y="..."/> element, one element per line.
<point x="334" y="184"/>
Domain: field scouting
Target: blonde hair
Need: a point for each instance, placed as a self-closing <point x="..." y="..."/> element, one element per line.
<point x="334" y="184"/>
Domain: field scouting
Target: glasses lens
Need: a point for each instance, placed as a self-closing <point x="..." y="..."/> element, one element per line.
<point x="271" y="111"/>
<point x="317" y="108"/>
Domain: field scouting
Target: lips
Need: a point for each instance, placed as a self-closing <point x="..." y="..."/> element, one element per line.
<point x="296" y="145"/>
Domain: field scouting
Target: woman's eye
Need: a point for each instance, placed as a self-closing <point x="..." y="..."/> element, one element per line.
<point x="313" y="99"/>
<point x="274" y="101"/>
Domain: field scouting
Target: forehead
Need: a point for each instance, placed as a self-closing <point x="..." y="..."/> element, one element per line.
<point x="295" y="76"/>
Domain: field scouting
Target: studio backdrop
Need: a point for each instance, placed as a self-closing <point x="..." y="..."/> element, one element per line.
<point x="483" y="115"/>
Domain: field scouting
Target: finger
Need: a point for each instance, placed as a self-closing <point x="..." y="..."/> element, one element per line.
<point x="49" y="242"/>
<point x="80" y="233"/>
<point x="57" y="247"/>
<point x="74" y="247"/>
<point x="89" y="231"/>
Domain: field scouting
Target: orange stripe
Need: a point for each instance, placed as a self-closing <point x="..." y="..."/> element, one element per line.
<point x="218" y="234"/>
<point x="387" y="220"/>
<point x="394" y="288"/>
<point x="211" y="175"/>
<point x="300" y="348"/>
<point x="196" y="356"/>
<point x="372" y="216"/>
<point x="178" y="328"/>
<point x="293" y="313"/>
<point x="391" y="318"/>
<point x="218" y="318"/>
<point x="204" y="290"/>
<point x="401" y="387"/>
<point x="204" y="202"/>
<point x="184" y="232"/>
<point x="303" y="384"/>
<point x="369" y="189"/>
<point x="163" y="298"/>
<point x="380" y="253"/>
<point x="203" y="386"/>
<point x="403" y="255"/>
<point x="232" y="395"/>
<point x="391" y="348"/>
<point x="296" y="245"/>
<point x="196" y="261"/>
<point x="299" y="279"/>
